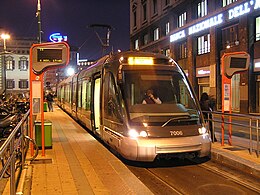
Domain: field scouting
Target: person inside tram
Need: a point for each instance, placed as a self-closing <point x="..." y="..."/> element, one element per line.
<point x="151" y="97"/>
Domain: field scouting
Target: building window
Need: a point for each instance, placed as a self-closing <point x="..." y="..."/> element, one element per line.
<point x="10" y="84"/>
<point x="23" y="84"/>
<point x="182" y="50"/>
<point x="167" y="52"/>
<point x="156" y="34"/>
<point x="230" y="36"/>
<point x="227" y="2"/>
<point x="167" y="28"/>
<point x="146" y="39"/>
<point x="202" y="8"/>
<point x="23" y="63"/>
<point x="136" y="44"/>
<point x="154" y="7"/>
<point x="257" y="28"/>
<point x="144" y="5"/>
<point x="182" y="19"/>
<point x="10" y="63"/>
<point x="134" y="13"/>
<point x="167" y="2"/>
<point x="204" y="44"/>
<point x="135" y="19"/>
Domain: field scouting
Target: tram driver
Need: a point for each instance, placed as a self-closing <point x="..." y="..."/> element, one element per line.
<point x="151" y="97"/>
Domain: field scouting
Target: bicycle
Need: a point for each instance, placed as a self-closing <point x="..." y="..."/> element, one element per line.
<point x="18" y="155"/>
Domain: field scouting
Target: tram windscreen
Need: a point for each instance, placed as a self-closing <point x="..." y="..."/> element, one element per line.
<point x="169" y="87"/>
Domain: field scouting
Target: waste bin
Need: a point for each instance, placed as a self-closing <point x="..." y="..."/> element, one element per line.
<point x="47" y="134"/>
<point x="45" y="106"/>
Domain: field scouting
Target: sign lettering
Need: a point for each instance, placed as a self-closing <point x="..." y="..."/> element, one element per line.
<point x="177" y="36"/>
<point x="218" y="19"/>
<point x="238" y="11"/>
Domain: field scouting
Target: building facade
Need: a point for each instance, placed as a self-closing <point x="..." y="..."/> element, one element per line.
<point x="15" y="70"/>
<point x="196" y="34"/>
<point x="15" y="66"/>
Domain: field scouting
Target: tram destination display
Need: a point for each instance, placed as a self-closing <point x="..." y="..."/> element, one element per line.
<point x="235" y="62"/>
<point x="238" y="62"/>
<point x="49" y="55"/>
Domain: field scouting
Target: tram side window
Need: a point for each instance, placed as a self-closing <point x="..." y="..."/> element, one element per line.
<point x="62" y="95"/>
<point x="79" y="95"/>
<point x="88" y="100"/>
<point x="86" y="94"/>
<point x="67" y="93"/>
<point x="111" y="107"/>
<point x="74" y="97"/>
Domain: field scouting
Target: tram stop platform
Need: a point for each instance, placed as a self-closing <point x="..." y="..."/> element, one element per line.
<point x="79" y="164"/>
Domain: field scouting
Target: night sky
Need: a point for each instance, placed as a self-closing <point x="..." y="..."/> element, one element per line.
<point x="71" y="18"/>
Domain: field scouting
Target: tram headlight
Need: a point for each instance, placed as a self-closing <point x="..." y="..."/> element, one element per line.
<point x="143" y="134"/>
<point x="202" y="130"/>
<point x="134" y="134"/>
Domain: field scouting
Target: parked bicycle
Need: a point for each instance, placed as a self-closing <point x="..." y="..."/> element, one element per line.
<point x="21" y="149"/>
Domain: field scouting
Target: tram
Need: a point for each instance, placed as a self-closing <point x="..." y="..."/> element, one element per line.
<point x="107" y="98"/>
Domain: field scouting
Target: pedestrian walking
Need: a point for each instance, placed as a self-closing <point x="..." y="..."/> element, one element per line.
<point x="49" y="99"/>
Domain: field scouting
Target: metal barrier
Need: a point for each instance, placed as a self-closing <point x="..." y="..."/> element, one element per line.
<point x="249" y="122"/>
<point x="9" y="150"/>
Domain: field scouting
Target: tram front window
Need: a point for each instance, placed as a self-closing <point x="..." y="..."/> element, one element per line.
<point x="170" y="87"/>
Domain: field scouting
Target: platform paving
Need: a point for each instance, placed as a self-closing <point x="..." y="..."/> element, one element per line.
<point x="77" y="164"/>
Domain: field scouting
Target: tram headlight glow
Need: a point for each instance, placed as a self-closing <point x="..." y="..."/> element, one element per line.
<point x="143" y="134"/>
<point x="202" y="130"/>
<point x="134" y="134"/>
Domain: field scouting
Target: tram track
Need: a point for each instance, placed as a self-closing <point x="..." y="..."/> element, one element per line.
<point x="156" y="184"/>
<point x="247" y="181"/>
<point x="193" y="178"/>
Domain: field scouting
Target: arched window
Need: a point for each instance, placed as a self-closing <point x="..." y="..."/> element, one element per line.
<point x="9" y="63"/>
<point x="23" y="63"/>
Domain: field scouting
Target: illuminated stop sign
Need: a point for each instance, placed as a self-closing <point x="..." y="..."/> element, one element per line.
<point x="49" y="55"/>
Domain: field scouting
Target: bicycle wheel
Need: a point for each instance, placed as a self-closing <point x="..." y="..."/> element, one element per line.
<point x="27" y="141"/>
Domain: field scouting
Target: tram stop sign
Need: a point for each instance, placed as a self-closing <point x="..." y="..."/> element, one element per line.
<point x="235" y="63"/>
<point x="49" y="55"/>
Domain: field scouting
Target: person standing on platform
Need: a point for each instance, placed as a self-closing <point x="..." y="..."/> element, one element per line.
<point x="49" y="99"/>
<point x="207" y="105"/>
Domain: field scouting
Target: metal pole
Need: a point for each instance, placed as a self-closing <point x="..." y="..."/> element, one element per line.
<point x="4" y="46"/>
<point x="250" y="136"/>
<point x="213" y="129"/>
<point x="38" y="14"/>
<point x="257" y="138"/>
<point x="12" y="168"/>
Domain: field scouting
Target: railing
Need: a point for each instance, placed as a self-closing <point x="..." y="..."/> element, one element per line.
<point x="239" y="125"/>
<point x="9" y="149"/>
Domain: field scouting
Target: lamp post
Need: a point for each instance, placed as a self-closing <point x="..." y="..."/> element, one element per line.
<point x="4" y="36"/>
<point x="38" y="15"/>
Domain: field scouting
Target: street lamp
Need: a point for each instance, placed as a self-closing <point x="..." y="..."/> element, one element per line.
<point x="70" y="71"/>
<point x="5" y="36"/>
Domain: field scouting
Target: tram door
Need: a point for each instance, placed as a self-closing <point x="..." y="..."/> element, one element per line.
<point x="97" y="104"/>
